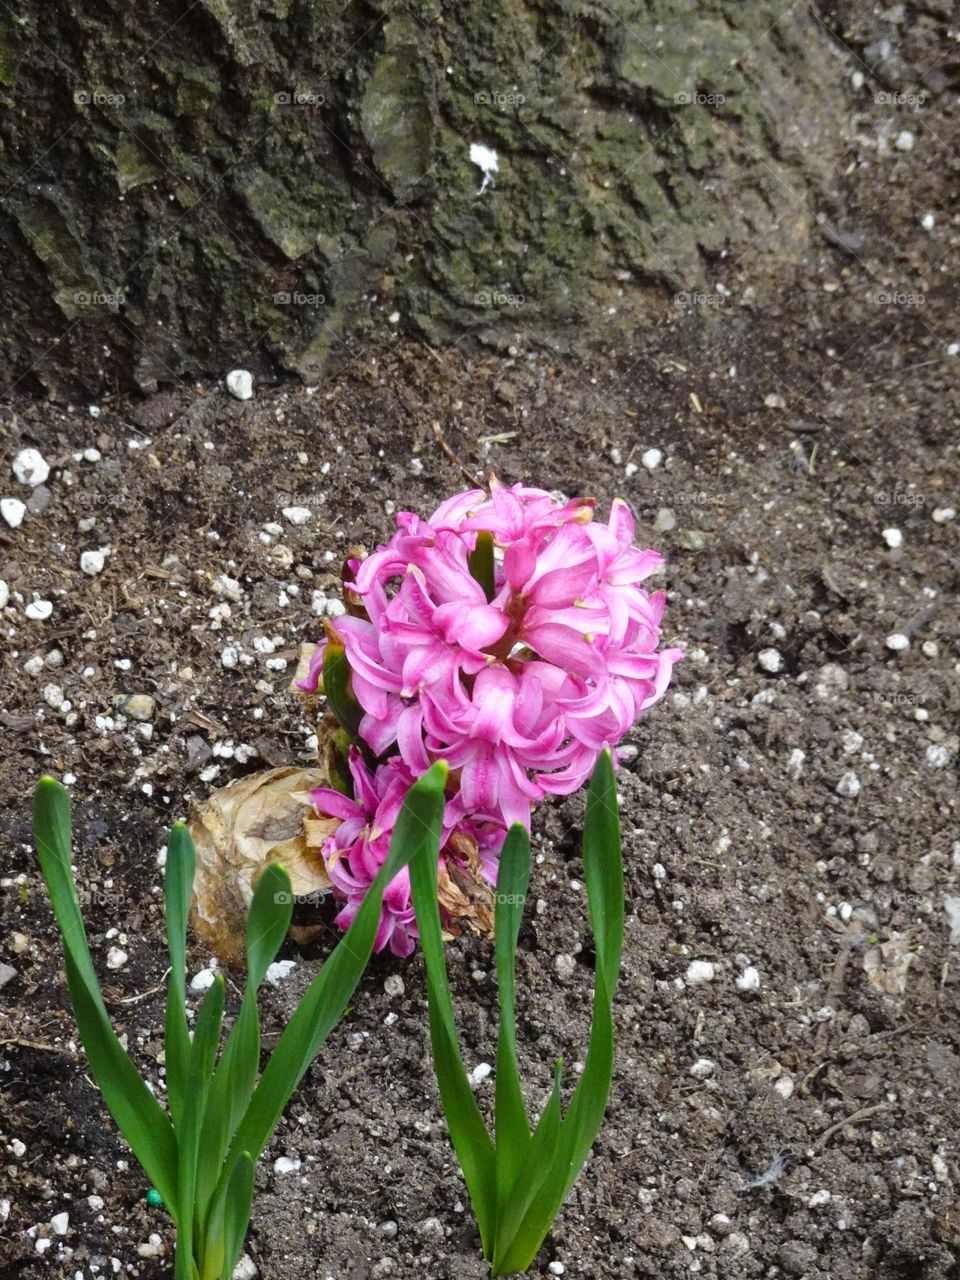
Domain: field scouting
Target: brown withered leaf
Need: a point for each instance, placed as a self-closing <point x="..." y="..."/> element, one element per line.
<point x="465" y="897"/>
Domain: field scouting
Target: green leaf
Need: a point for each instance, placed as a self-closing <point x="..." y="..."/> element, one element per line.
<point x="203" y="1052"/>
<point x="138" y="1115"/>
<point x="240" y="1203"/>
<point x="229" y="1219"/>
<point x="468" y="1133"/>
<point x="178" y="891"/>
<point x="520" y="1234"/>
<point x="338" y="687"/>
<point x="417" y="829"/>
<point x="518" y="1185"/>
<point x="603" y="873"/>
<point x="267" y="925"/>
<point x="481" y="564"/>
<point x="512" y="1126"/>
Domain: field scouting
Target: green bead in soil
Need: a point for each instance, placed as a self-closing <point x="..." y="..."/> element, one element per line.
<point x="154" y="1198"/>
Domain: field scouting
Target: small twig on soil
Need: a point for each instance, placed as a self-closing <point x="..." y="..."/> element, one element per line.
<point x="835" y="989"/>
<point x="446" y="450"/>
<point x="36" y="1044"/>
<point x="858" y="1117"/>
<point x="881" y="1036"/>
<point x="426" y="346"/>
<point x="145" y="994"/>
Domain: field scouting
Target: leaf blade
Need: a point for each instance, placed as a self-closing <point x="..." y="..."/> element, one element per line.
<point x="468" y="1133"/>
<point x="511" y="1125"/>
<point x="178" y="891"/>
<point x="481" y="564"/>
<point x="338" y="687"/>
<point x="603" y="874"/>
<point x="137" y="1113"/>
<point x="206" y="1039"/>
<point x="267" y="923"/>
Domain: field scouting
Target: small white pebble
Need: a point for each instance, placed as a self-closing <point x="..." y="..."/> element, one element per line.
<point x="749" y="980"/>
<point x="286" y="1164"/>
<point x="848" y="785"/>
<point x="279" y="970"/>
<point x="152" y="1248"/>
<point x="394" y="986"/>
<point x="297" y="515"/>
<point x="928" y="222"/>
<point x="937" y="755"/>
<point x="897" y="641"/>
<point x="703" y="1068"/>
<point x="556" y="1268"/>
<point x="480" y="1073"/>
<point x="651" y="459"/>
<point x="229" y="658"/>
<point x="630" y="470"/>
<point x="53" y="696"/>
<point x="784" y="1086"/>
<point x="116" y="958"/>
<point x="59" y="1224"/>
<point x="240" y="384"/>
<point x="904" y="140"/>
<point x="38" y="610"/>
<point x="770" y="660"/>
<point x="893" y="538"/>
<point x="92" y="455"/>
<point x="819" y="1198"/>
<point x="30" y="467"/>
<point x="13" y="511"/>
<point x="795" y="762"/>
<point x="942" y="514"/>
<point x="203" y="980"/>
<point x="565" y="967"/>
<point x="699" y="971"/>
<point x="851" y="741"/>
<point x="224" y="585"/>
<point x="92" y="562"/>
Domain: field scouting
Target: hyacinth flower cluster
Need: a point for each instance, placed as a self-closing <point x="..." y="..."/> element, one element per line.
<point x="510" y="636"/>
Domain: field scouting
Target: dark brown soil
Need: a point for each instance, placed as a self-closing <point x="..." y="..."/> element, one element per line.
<point x="798" y="420"/>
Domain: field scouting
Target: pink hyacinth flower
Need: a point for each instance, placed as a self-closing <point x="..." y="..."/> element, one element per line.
<point x="519" y="693"/>
<point x="358" y="848"/>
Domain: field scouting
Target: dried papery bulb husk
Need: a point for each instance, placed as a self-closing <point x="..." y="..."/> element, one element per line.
<point x="466" y="898"/>
<point x="238" y="830"/>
